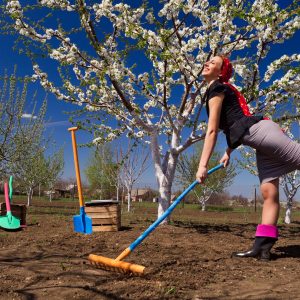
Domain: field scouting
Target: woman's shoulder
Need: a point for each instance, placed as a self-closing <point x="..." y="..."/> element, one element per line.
<point x="217" y="88"/>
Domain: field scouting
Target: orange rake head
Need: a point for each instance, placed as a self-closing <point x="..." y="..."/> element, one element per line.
<point x="115" y="265"/>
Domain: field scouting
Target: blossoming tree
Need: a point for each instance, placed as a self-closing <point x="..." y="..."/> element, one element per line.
<point x="139" y="64"/>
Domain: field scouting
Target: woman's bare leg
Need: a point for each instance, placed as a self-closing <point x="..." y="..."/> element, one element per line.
<point x="266" y="233"/>
<point x="271" y="207"/>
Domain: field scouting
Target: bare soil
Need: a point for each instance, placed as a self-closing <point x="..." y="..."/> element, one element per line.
<point x="189" y="259"/>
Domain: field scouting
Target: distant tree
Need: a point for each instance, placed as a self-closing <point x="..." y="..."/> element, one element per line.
<point x="111" y="170"/>
<point x="54" y="165"/>
<point x="38" y="169"/>
<point x="63" y="183"/>
<point x="219" y="198"/>
<point x="100" y="170"/>
<point x="19" y="131"/>
<point x="135" y="163"/>
<point x="72" y="184"/>
<point x="22" y="142"/>
<point x="114" y="171"/>
<point x="290" y="184"/>
<point x="215" y="183"/>
<point x="240" y="200"/>
<point x="27" y="175"/>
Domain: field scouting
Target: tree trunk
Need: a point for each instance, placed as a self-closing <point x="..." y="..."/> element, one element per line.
<point x="123" y="195"/>
<point x="165" y="181"/>
<point x="288" y="212"/>
<point x="203" y="205"/>
<point x="51" y="190"/>
<point x="164" y="172"/>
<point x="118" y="193"/>
<point x="73" y="193"/>
<point x="128" y="200"/>
<point x="29" y="196"/>
<point x="164" y="200"/>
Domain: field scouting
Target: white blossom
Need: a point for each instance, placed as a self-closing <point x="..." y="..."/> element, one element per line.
<point x="149" y="98"/>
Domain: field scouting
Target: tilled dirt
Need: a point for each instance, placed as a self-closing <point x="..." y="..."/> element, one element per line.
<point x="185" y="260"/>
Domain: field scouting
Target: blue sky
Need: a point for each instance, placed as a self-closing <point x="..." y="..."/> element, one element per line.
<point x="57" y="121"/>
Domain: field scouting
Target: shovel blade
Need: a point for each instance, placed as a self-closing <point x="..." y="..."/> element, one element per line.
<point x="10" y="222"/>
<point x="82" y="223"/>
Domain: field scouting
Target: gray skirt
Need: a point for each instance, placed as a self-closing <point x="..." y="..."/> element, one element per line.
<point x="276" y="153"/>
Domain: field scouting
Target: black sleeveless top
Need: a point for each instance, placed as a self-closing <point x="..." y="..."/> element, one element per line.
<point x="233" y="121"/>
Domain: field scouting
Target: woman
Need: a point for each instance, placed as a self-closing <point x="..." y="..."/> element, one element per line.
<point x="276" y="153"/>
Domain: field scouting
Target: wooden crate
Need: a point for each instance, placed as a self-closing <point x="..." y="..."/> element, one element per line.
<point x="18" y="210"/>
<point x="105" y="214"/>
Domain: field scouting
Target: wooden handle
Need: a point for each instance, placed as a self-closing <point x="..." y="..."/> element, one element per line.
<point x="73" y="128"/>
<point x="76" y="163"/>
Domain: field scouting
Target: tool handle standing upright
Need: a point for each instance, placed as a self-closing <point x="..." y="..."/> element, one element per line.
<point x="8" y="209"/>
<point x="10" y="188"/>
<point x="76" y="163"/>
<point x="9" y="221"/>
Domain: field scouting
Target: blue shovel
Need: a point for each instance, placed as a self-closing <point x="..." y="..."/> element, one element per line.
<point x="82" y="223"/>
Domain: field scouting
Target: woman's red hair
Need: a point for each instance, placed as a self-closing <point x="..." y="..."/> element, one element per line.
<point x="226" y="73"/>
<point x="226" y="69"/>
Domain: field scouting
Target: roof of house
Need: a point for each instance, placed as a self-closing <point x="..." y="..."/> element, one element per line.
<point x="139" y="192"/>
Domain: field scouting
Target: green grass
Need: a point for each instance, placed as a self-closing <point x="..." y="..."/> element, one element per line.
<point x="146" y="212"/>
<point x="219" y="208"/>
<point x="196" y="207"/>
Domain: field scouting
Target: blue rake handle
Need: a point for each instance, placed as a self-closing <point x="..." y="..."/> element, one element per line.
<point x="168" y="211"/>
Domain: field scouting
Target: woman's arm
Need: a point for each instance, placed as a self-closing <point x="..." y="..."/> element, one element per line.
<point x="215" y="106"/>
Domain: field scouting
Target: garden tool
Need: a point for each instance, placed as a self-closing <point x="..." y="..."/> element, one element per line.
<point x="8" y="221"/>
<point x="82" y="223"/>
<point x="125" y="267"/>
<point x="10" y="188"/>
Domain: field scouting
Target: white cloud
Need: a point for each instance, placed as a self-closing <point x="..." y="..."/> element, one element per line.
<point x="28" y="116"/>
<point x="58" y="123"/>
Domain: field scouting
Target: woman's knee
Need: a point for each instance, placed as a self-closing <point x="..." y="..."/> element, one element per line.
<point x="270" y="190"/>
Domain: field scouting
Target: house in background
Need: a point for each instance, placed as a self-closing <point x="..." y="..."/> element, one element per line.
<point x="70" y="191"/>
<point x="141" y="195"/>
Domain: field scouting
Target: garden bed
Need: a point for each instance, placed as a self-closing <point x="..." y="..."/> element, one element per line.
<point x="189" y="259"/>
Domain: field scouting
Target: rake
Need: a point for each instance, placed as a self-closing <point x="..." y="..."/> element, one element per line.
<point x="125" y="267"/>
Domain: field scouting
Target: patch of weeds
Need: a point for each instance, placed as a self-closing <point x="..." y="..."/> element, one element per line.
<point x="280" y="221"/>
<point x="171" y="290"/>
<point x="33" y="221"/>
<point x="63" y="266"/>
<point x="66" y="264"/>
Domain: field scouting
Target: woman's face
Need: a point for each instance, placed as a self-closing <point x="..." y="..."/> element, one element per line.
<point x="212" y="68"/>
